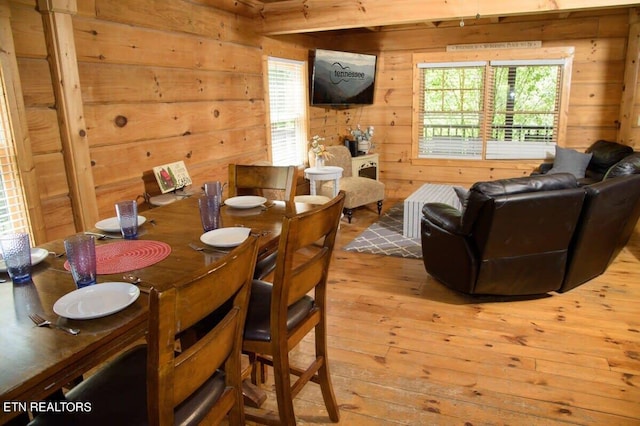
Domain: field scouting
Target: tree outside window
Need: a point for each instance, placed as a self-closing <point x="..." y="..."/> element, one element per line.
<point x="489" y="109"/>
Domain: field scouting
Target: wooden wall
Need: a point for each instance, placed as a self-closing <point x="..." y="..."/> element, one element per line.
<point x="181" y="82"/>
<point x="185" y="82"/>
<point x="600" y="41"/>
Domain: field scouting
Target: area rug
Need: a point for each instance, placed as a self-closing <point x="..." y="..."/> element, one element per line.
<point x="385" y="237"/>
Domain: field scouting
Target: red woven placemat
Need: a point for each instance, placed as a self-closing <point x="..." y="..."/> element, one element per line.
<point x="129" y="255"/>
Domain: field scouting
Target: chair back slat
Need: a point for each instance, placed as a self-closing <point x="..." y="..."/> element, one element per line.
<point x="194" y="300"/>
<point x="190" y="371"/>
<point x="259" y="179"/>
<point x="305" y="278"/>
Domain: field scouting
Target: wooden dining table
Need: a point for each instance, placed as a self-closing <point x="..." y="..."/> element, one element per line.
<point x="36" y="361"/>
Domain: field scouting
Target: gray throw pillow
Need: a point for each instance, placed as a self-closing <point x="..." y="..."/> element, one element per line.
<point x="463" y="196"/>
<point x="570" y="161"/>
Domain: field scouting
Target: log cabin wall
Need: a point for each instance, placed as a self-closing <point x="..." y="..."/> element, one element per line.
<point x="180" y="82"/>
<point x="600" y="40"/>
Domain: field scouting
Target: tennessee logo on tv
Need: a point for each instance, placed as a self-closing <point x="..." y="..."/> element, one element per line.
<point x="340" y="74"/>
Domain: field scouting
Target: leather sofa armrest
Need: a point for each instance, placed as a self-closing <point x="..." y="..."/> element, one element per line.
<point x="444" y="216"/>
<point x="587" y="181"/>
<point x="630" y="165"/>
<point x="447" y="256"/>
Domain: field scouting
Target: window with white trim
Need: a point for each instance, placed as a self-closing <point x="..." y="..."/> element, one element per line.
<point x="13" y="214"/>
<point x="489" y="109"/>
<point x="287" y="111"/>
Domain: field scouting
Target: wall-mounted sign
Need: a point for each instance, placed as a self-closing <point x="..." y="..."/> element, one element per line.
<point x="500" y="45"/>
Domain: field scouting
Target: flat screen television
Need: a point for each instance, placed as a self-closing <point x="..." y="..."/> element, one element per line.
<point x="342" y="78"/>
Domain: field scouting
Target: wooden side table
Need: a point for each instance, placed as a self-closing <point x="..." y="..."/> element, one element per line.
<point x="315" y="174"/>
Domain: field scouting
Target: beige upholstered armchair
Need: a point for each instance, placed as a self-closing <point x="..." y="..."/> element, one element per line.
<point x="359" y="191"/>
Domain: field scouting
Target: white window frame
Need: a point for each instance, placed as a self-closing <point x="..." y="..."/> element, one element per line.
<point x="287" y="102"/>
<point x="485" y="150"/>
<point x="13" y="211"/>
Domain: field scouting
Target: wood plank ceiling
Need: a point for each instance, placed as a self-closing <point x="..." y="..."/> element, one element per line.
<point x="305" y="16"/>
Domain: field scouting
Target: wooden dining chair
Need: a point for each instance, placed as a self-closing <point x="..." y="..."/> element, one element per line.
<point x="282" y="313"/>
<point x="260" y="179"/>
<point x="263" y="180"/>
<point x="152" y="383"/>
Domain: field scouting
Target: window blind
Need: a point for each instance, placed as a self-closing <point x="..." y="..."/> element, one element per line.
<point x="287" y="105"/>
<point x="451" y="110"/>
<point x="13" y="214"/>
<point x="500" y="109"/>
<point x="525" y="99"/>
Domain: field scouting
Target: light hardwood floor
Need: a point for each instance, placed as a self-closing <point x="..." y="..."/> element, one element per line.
<point x="406" y="350"/>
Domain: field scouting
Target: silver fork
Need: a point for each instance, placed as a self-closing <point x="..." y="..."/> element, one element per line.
<point x="104" y="236"/>
<point x="207" y="249"/>
<point x="41" y="322"/>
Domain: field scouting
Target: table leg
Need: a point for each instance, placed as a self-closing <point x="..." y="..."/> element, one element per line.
<point x="312" y="186"/>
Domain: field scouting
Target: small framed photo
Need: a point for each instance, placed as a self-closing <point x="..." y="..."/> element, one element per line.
<point x="172" y="176"/>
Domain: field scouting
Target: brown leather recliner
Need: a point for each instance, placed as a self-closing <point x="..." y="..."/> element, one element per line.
<point x="609" y="216"/>
<point x="511" y="239"/>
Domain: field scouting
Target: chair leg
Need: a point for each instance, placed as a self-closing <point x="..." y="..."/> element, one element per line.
<point x="282" y="382"/>
<point x="349" y="214"/>
<point x="236" y="414"/>
<point x="379" y="207"/>
<point x="324" y="376"/>
<point x="258" y="369"/>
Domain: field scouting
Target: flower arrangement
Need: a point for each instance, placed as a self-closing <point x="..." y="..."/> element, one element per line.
<point x="363" y="137"/>
<point x="318" y="148"/>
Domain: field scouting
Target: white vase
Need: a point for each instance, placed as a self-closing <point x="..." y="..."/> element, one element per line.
<point x="364" y="146"/>
<point x="319" y="162"/>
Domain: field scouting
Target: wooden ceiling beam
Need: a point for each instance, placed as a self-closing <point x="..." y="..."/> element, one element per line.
<point x="301" y="16"/>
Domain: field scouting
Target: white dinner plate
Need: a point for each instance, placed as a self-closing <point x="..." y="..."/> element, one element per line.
<point x="96" y="301"/>
<point x="245" y="201"/>
<point x="112" y="225"/>
<point x="226" y="237"/>
<point x="37" y="255"/>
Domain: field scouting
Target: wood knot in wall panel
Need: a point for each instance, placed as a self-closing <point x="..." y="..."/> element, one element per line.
<point x="121" y="121"/>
